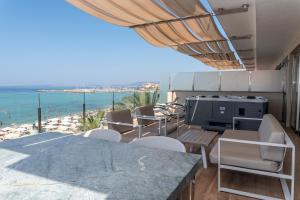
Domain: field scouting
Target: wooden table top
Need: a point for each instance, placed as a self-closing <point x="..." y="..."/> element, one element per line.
<point x="197" y="136"/>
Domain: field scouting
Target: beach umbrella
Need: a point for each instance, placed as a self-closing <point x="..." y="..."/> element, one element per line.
<point x="67" y="118"/>
<point x="2" y="133"/>
<point x="21" y="129"/>
<point x="66" y="123"/>
<point x="62" y="128"/>
<point x="53" y="123"/>
<point x="53" y="120"/>
<point x="76" y="117"/>
<point x="50" y="127"/>
<point x="7" y="129"/>
<point x="26" y="126"/>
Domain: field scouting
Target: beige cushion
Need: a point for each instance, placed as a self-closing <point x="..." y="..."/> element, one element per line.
<point x="242" y="155"/>
<point x="271" y="131"/>
<point x="147" y="111"/>
<point x="123" y="116"/>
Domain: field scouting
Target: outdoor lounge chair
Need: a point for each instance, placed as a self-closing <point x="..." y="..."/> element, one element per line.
<point x="146" y="117"/>
<point x="259" y="152"/>
<point x="122" y="122"/>
<point x="172" y="109"/>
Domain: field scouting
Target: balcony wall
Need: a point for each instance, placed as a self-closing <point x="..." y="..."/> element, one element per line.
<point x="267" y="83"/>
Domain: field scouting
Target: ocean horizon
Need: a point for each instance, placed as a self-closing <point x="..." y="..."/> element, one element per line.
<point x="18" y="104"/>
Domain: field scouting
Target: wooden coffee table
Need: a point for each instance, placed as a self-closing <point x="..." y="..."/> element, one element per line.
<point x="199" y="137"/>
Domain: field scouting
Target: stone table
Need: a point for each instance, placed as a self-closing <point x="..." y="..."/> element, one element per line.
<point x="58" y="166"/>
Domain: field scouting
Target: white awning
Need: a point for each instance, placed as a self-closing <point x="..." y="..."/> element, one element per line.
<point x="185" y="26"/>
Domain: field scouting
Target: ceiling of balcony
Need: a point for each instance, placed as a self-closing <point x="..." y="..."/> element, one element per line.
<point x="273" y="24"/>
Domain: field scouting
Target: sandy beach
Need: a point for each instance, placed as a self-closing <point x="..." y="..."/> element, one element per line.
<point x="68" y="124"/>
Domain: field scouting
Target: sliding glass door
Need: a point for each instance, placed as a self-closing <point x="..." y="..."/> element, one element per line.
<point x="295" y="107"/>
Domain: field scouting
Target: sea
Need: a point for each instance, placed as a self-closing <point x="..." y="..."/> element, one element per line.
<point x="18" y="105"/>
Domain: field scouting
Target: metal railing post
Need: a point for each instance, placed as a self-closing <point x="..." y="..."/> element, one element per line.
<point x="134" y="103"/>
<point x="83" y="111"/>
<point x="113" y="101"/>
<point x="39" y="112"/>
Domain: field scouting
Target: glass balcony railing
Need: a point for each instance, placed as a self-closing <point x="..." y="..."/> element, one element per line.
<point x="67" y="112"/>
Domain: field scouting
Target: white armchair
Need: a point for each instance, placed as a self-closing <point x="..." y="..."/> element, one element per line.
<point x="259" y="152"/>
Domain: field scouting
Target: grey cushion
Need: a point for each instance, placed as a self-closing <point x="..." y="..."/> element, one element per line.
<point x="242" y="155"/>
<point x="147" y="111"/>
<point x="271" y="131"/>
<point x="123" y="116"/>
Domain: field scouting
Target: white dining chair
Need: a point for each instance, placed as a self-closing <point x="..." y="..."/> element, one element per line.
<point x="160" y="142"/>
<point x="104" y="134"/>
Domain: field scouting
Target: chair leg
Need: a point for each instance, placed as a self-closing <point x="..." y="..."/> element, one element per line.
<point x="288" y="195"/>
<point x="203" y="153"/>
<point x="219" y="178"/>
<point x="285" y="189"/>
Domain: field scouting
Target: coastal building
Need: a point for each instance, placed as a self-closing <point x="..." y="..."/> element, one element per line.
<point x="149" y="87"/>
<point x="243" y="117"/>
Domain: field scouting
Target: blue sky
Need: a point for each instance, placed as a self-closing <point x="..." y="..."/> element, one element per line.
<point x="50" y="42"/>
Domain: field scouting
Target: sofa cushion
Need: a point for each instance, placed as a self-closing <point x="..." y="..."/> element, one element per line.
<point x="147" y="111"/>
<point x="271" y="131"/>
<point x="123" y="116"/>
<point x="242" y="155"/>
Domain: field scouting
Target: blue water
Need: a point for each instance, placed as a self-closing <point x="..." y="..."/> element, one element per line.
<point x="19" y="105"/>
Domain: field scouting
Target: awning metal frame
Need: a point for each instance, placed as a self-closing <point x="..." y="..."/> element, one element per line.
<point x="218" y="12"/>
<point x="231" y="38"/>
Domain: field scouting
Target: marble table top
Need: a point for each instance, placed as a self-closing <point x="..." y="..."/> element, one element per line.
<point x="58" y="166"/>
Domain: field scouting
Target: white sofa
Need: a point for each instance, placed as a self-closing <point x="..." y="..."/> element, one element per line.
<point x="258" y="152"/>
